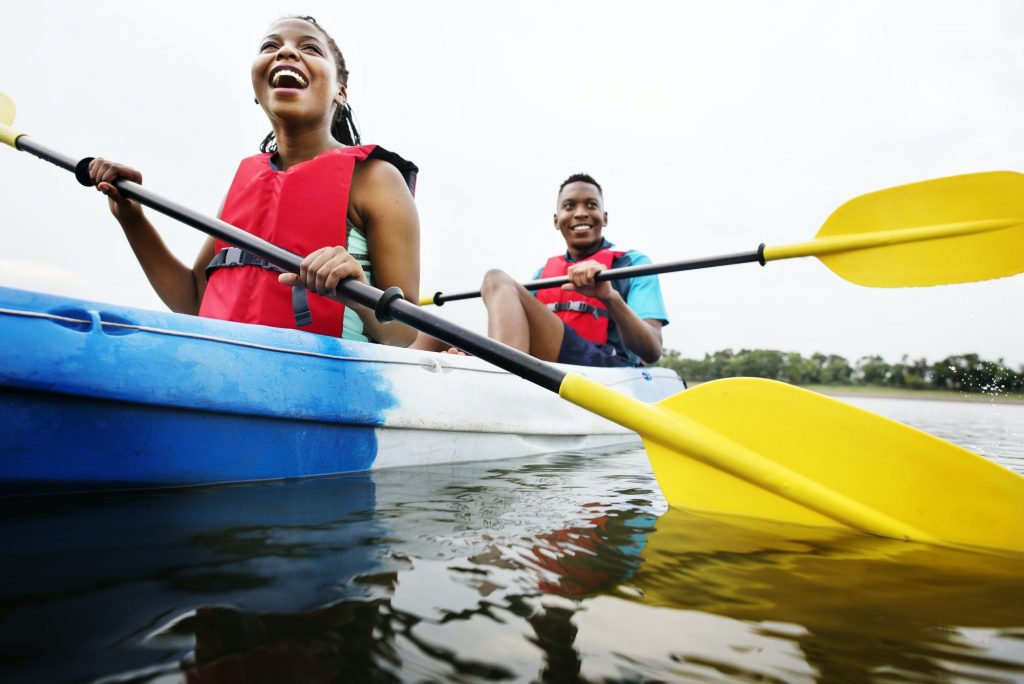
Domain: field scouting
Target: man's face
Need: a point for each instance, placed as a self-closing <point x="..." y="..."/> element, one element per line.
<point x="580" y="218"/>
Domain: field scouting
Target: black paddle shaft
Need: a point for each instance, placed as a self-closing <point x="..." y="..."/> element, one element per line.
<point x="627" y="272"/>
<point x="388" y="305"/>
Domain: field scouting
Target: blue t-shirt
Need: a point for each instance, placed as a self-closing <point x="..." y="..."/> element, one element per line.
<point x="642" y="295"/>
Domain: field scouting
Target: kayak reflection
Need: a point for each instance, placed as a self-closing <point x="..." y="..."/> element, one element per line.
<point x="88" y="578"/>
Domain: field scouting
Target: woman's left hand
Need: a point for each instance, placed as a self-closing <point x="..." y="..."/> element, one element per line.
<point x="323" y="269"/>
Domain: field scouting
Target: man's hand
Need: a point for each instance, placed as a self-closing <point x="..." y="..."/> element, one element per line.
<point x="582" y="280"/>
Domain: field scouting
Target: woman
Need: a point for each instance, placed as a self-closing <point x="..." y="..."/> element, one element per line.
<point x="312" y="185"/>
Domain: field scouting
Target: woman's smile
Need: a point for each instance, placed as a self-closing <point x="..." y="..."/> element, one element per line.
<point x="287" y="77"/>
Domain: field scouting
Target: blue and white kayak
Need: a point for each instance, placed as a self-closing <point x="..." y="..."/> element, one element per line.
<point x="97" y="396"/>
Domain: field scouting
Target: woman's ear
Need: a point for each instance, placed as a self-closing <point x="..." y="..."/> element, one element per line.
<point x="342" y="97"/>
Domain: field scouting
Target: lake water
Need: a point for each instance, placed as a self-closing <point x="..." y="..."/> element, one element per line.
<point x="560" y="568"/>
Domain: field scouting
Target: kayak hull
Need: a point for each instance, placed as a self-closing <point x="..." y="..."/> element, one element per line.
<point x="94" y="396"/>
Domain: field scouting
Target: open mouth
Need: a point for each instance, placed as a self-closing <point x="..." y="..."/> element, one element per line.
<point x="581" y="227"/>
<point x="286" y="77"/>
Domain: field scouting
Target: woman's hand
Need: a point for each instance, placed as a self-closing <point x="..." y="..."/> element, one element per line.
<point x="323" y="269"/>
<point x="103" y="174"/>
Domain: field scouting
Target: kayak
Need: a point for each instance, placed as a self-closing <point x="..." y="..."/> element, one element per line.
<point x="97" y="396"/>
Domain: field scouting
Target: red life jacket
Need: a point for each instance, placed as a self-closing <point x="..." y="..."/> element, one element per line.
<point x="300" y="209"/>
<point x="586" y="315"/>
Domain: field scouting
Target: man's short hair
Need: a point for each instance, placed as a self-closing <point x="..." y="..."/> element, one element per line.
<point x="581" y="178"/>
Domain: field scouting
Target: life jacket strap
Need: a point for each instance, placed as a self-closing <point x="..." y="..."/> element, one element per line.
<point x="231" y="257"/>
<point x="580" y="307"/>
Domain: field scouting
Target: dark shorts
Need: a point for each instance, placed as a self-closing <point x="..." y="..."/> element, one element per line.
<point x="581" y="352"/>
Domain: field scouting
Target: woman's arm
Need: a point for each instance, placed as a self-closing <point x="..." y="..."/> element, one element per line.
<point x="180" y="287"/>
<point x="381" y="205"/>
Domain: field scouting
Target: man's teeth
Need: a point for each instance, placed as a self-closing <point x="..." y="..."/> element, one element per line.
<point x="289" y="73"/>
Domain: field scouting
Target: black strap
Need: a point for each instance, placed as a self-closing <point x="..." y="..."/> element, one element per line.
<point x="233" y="256"/>
<point x="580" y="307"/>
<point x="404" y="166"/>
<point x="229" y="257"/>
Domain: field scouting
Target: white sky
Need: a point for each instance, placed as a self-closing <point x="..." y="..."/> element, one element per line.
<point x="713" y="126"/>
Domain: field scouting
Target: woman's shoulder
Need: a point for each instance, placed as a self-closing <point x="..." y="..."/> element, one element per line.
<point x="383" y="168"/>
<point x="405" y="168"/>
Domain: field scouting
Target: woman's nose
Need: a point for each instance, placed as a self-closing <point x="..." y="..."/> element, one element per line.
<point x="285" y="52"/>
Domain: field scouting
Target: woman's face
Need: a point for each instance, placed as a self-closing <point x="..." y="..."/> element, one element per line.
<point x="294" y="76"/>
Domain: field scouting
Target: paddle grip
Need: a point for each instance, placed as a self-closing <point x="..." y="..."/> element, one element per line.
<point x="82" y="172"/>
<point x="383" y="308"/>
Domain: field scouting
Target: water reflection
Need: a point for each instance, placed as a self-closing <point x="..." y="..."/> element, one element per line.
<point x="561" y="568"/>
<point x="855" y="606"/>
<point x="87" y="579"/>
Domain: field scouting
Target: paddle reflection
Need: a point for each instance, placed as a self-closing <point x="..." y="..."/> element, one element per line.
<point x="856" y="606"/>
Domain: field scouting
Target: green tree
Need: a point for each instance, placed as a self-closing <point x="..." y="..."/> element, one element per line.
<point x="835" y="370"/>
<point x="872" y="370"/>
<point x="800" y="371"/>
<point x="960" y="373"/>
<point x="756" y="363"/>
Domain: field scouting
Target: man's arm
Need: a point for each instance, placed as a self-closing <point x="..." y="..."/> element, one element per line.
<point x="641" y="335"/>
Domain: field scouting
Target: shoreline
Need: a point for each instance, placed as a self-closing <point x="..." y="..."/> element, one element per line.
<point x="895" y="393"/>
<point x="881" y="393"/>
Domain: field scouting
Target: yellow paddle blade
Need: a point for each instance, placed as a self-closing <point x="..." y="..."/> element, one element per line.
<point x="6" y="109"/>
<point x="957" y="230"/>
<point x="783" y="453"/>
<point x="7" y="135"/>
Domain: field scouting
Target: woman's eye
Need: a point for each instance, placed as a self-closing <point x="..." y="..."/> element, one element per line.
<point x="313" y="48"/>
<point x="268" y="46"/>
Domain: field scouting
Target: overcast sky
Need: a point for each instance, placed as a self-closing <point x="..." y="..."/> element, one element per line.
<point x="713" y="127"/>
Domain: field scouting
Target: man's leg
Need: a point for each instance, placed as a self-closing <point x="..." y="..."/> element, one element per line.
<point x="516" y="318"/>
<point x="425" y="342"/>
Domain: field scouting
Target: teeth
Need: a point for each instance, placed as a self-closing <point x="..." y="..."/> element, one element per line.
<point x="288" y="72"/>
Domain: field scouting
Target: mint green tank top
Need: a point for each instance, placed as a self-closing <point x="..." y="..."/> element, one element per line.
<point x="352" y="329"/>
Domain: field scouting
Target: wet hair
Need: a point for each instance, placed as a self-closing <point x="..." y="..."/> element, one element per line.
<point x="581" y="178"/>
<point x="343" y="124"/>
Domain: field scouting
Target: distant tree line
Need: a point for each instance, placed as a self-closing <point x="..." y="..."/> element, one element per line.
<point x="960" y="373"/>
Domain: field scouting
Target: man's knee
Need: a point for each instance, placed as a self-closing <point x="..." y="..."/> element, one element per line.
<point x="496" y="279"/>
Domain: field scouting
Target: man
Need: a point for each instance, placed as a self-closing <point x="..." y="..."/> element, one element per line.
<point x="588" y="323"/>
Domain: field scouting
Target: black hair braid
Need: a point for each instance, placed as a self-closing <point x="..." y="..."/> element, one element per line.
<point x="343" y="124"/>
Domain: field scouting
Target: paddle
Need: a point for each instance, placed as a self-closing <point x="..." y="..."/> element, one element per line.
<point x="742" y="446"/>
<point x="950" y="230"/>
